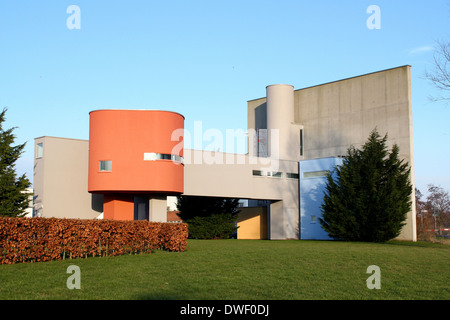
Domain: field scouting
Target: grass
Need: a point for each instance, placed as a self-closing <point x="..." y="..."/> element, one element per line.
<point x="243" y="270"/>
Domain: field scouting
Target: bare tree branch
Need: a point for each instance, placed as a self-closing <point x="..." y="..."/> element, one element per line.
<point x="440" y="75"/>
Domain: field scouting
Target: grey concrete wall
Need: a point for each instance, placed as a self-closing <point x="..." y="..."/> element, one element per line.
<point x="232" y="176"/>
<point x="60" y="180"/>
<point x="343" y="113"/>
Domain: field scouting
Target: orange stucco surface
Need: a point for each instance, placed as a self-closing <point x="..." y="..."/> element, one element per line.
<point x="118" y="207"/>
<point x="123" y="137"/>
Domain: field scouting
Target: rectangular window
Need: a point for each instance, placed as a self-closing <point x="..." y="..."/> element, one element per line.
<point x="39" y="150"/>
<point x="149" y="156"/>
<point x="261" y="143"/>
<point x="315" y="174"/>
<point x="313" y="219"/>
<point x="301" y="142"/>
<point x="258" y="173"/>
<point x="105" y="165"/>
<point x="292" y="175"/>
<point x="277" y="174"/>
<point x="177" y="158"/>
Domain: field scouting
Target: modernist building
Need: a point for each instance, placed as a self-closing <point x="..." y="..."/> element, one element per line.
<point x="135" y="159"/>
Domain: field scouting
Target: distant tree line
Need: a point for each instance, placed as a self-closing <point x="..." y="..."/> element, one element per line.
<point x="432" y="212"/>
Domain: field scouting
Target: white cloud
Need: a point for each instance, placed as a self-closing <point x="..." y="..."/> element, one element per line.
<point x="420" y="50"/>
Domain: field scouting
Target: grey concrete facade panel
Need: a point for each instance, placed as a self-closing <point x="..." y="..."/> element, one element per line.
<point x="60" y="180"/>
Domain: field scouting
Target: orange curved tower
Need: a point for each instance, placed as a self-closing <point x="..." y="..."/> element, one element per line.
<point x="135" y="155"/>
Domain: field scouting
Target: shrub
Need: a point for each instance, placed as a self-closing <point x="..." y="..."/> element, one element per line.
<point x="216" y="226"/>
<point x="209" y="217"/>
<point x="45" y="239"/>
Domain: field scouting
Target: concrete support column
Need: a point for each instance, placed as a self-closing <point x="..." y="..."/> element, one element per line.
<point x="277" y="224"/>
<point x="158" y="208"/>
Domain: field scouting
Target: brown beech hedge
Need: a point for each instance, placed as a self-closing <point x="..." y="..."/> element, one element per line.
<point x="45" y="239"/>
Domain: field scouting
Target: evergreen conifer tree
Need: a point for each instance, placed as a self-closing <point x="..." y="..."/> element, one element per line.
<point x="13" y="195"/>
<point x="370" y="195"/>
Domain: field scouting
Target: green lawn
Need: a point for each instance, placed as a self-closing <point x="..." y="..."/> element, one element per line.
<point x="242" y="270"/>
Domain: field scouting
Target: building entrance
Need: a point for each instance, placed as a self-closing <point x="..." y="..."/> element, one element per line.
<point x="141" y="208"/>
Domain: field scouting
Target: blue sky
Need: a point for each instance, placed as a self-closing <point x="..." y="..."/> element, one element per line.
<point x="206" y="59"/>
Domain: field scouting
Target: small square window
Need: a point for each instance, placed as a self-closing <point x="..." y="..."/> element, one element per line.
<point x="105" y="165"/>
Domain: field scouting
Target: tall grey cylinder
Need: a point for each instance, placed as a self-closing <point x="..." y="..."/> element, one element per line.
<point x="280" y="116"/>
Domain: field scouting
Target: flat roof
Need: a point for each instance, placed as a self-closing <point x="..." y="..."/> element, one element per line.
<point x="361" y="75"/>
<point x="52" y="137"/>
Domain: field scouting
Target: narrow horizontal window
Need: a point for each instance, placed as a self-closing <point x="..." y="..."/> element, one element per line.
<point x="277" y="174"/>
<point x="177" y="158"/>
<point x="105" y="165"/>
<point x="152" y="156"/>
<point x="258" y="173"/>
<point x="292" y="175"/>
<point x="315" y="174"/>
